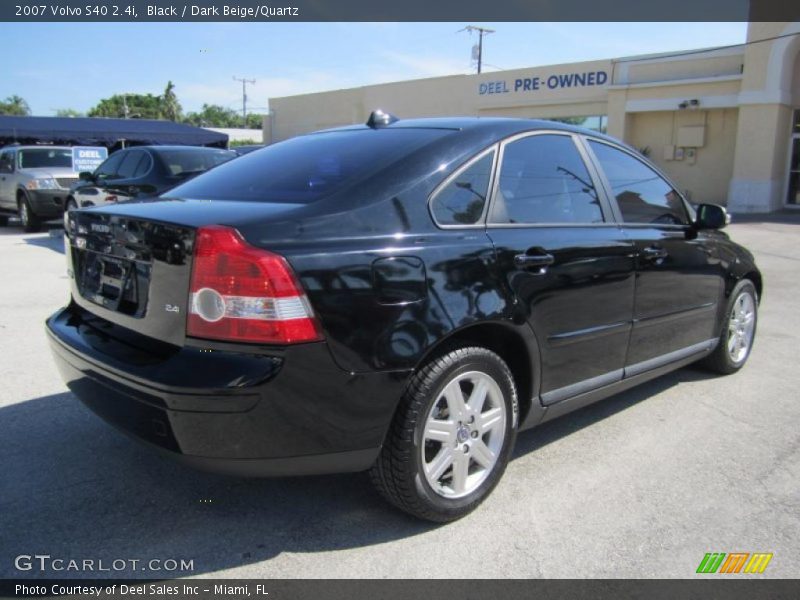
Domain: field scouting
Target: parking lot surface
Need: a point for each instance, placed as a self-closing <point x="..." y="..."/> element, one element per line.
<point x="639" y="485"/>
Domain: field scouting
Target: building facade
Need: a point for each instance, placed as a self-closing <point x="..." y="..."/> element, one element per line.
<point x="724" y="123"/>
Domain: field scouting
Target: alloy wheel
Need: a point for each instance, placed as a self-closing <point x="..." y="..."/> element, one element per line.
<point x="741" y="325"/>
<point x="463" y="434"/>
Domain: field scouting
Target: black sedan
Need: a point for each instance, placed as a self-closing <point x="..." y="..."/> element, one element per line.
<point x="400" y="297"/>
<point x="143" y="171"/>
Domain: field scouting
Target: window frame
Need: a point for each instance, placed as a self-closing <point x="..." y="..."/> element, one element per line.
<point x="691" y="215"/>
<point x="131" y="156"/>
<point x="134" y="151"/>
<point x="481" y="222"/>
<point x="602" y="198"/>
<point x="149" y="168"/>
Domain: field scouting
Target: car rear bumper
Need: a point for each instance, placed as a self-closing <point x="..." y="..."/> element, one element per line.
<point x="292" y="412"/>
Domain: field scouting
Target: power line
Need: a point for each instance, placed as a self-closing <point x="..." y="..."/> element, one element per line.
<point x="244" y="96"/>
<point x="481" y="32"/>
<point x="707" y="50"/>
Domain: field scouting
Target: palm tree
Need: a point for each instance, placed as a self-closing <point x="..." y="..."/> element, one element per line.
<point x="15" y="105"/>
<point x="170" y="106"/>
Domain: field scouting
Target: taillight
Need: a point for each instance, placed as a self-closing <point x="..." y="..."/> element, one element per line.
<point x="242" y="293"/>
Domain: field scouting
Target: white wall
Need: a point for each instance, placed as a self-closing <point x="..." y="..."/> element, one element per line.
<point x="235" y="135"/>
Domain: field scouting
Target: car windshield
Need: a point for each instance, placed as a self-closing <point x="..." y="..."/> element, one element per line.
<point x="188" y="162"/>
<point x="306" y="168"/>
<point x="45" y="157"/>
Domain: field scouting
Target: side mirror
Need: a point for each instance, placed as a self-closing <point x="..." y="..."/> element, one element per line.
<point x="711" y="216"/>
<point x="85" y="176"/>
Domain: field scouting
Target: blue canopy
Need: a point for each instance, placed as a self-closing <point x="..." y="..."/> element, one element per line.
<point x="87" y="131"/>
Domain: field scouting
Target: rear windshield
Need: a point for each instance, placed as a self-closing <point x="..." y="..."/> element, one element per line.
<point x="193" y="161"/>
<point x="306" y="168"/>
<point x="45" y="157"/>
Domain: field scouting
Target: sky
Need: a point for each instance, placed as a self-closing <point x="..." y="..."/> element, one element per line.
<point x="74" y="65"/>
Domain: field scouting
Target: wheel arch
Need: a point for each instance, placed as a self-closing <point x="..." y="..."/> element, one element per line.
<point x="755" y="277"/>
<point x="515" y="344"/>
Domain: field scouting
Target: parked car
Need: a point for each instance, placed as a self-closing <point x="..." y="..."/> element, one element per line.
<point x="142" y="171"/>
<point x="247" y="148"/>
<point x="401" y="297"/>
<point x="34" y="183"/>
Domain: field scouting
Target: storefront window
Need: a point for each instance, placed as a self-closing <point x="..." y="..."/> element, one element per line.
<point x="595" y="123"/>
<point x="793" y="196"/>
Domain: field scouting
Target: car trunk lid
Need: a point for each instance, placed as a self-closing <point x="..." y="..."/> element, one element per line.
<point x="131" y="263"/>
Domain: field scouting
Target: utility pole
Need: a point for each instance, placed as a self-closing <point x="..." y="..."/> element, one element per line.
<point x="481" y="32"/>
<point x="244" y="97"/>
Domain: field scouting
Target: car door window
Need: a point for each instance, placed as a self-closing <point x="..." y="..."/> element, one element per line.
<point x="108" y="170"/>
<point x="7" y="162"/>
<point x="543" y="179"/>
<point x="462" y="200"/>
<point x="130" y="164"/>
<point x="144" y="165"/>
<point x="642" y="194"/>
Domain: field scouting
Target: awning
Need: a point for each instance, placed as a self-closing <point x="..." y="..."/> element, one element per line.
<point x="87" y="131"/>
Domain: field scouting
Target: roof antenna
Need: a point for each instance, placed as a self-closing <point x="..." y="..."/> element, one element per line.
<point x="380" y="118"/>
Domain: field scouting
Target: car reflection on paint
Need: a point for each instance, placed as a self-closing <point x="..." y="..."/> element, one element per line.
<point x="142" y="171"/>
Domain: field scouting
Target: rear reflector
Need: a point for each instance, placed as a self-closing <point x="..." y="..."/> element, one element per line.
<point x="242" y="293"/>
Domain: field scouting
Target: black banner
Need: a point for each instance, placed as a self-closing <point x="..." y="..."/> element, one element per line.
<point x="407" y="10"/>
<point x="321" y="589"/>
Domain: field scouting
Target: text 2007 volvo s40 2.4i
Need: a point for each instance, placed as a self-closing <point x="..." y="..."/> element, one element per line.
<point x="401" y="296"/>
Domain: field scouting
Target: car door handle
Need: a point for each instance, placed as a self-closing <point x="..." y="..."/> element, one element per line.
<point x="654" y="253"/>
<point x="527" y="261"/>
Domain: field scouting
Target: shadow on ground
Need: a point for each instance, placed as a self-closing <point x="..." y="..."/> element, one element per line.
<point x="75" y="488"/>
<point x="55" y="242"/>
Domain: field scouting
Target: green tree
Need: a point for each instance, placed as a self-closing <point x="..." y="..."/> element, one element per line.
<point x="69" y="112"/>
<point x="16" y="106"/>
<point x="255" y="121"/>
<point x="213" y="115"/>
<point x="170" y="107"/>
<point x="121" y="106"/>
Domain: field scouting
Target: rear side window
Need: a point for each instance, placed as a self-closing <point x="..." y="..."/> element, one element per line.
<point x="306" y="168"/>
<point x="129" y="166"/>
<point x="642" y="194"/>
<point x="108" y="170"/>
<point x="543" y="179"/>
<point x="462" y="200"/>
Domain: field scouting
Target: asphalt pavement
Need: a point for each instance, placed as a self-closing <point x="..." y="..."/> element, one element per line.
<point x="639" y="485"/>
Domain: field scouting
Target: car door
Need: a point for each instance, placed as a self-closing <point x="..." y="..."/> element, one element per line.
<point x="567" y="263"/>
<point x="679" y="281"/>
<point x="7" y="181"/>
<point x="127" y="180"/>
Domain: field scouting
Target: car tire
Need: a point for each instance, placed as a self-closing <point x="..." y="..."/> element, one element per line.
<point x="28" y="219"/>
<point x="3" y="220"/>
<point x="448" y="447"/>
<point x="738" y="330"/>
